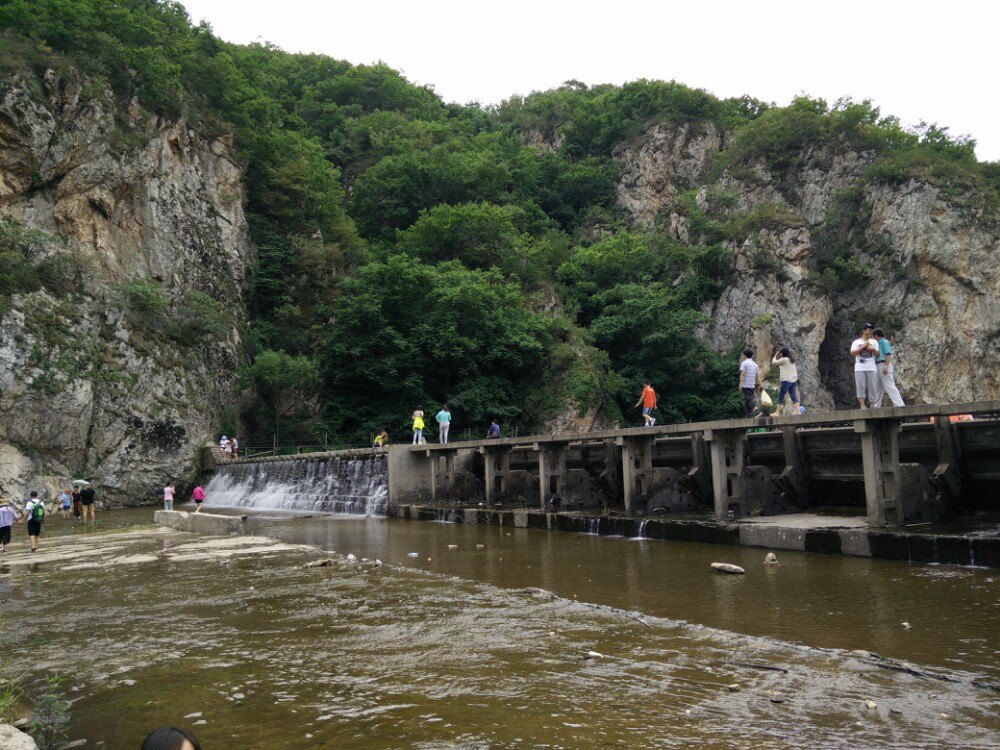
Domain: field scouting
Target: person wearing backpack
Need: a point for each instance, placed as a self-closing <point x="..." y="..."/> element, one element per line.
<point x="34" y="514"/>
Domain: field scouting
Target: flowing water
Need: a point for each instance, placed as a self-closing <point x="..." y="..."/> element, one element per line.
<point x="441" y="647"/>
<point x="317" y="485"/>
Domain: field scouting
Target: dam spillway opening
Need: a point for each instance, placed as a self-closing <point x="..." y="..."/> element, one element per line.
<point x="345" y="485"/>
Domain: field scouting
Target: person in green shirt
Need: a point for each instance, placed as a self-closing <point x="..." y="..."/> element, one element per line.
<point x="886" y="383"/>
<point x="443" y="418"/>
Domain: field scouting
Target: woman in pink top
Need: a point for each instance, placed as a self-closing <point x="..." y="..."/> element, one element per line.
<point x="198" y="495"/>
<point x="168" y="496"/>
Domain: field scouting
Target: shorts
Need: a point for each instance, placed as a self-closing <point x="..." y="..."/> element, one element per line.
<point x="65" y="506"/>
<point x="199" y="502"/>
<point x="86" y="502"/>
<point x="866" y="381"/>
<point x="4" y="534"/>
<point x="34" y="528"/>
<point x="646" y="410"/>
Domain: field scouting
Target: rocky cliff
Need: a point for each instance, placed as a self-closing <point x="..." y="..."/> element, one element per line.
<point x="120" y="377"/>
<point x="919" y="261"/>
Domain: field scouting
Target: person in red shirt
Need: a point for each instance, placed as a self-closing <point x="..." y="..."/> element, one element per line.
<point x="648" y="402"/>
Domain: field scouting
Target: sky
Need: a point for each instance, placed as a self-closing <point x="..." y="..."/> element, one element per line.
<point x="916" y="60"/>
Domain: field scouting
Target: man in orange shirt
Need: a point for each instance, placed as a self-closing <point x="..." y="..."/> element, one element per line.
<point x="648" y="401"/>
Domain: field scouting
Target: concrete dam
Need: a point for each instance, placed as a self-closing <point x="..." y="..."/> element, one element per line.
<point x="784" y="482"/>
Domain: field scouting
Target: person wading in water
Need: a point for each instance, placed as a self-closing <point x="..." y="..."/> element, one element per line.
<point x="7" y="520"/>
<point x="198" y="495"/>
<point x="34" y="514"/>
<point x="87" y="500"/>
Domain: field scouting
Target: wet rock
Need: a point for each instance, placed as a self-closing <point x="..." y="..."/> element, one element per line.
<point x="861" y="653"/>
<point x="378" y="563"/>
<point x="720" y="567"/>
<point x="413" y="554"/>
<point x="777" y="699"/>
<point x="351" y="558"/>
<point x="320" y="563"/>
<point x="70" y="745"/>
<point x="906" y="625"/>
<point x="594" y="655"/>
<point x="871" y="705"/>
<point x="452" y="546"/>
<point x="21" y="723"/>
<point x="770" y="559"/>
<point x="12" y="738"/>
<point x="895" y="711"/>
<point x="540" y="593"/>
<point x="734" y="688"/>
<point x="195" y="715"/>
<point x="480" y="546"/>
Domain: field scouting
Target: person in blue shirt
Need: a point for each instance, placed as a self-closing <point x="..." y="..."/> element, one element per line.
<point x="443" y="419"/>
<point x="886" y="383"/>
<point x="494" y="431"/>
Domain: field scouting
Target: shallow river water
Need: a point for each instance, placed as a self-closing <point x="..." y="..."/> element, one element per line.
<point x="238" y="639"/>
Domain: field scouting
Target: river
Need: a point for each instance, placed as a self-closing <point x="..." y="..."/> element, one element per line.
<point x="440" y="647"/>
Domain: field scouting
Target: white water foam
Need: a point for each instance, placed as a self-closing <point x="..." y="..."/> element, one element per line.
<point x="356" y="486"/>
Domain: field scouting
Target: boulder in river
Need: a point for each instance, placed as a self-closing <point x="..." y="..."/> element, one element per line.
<point x="14" y="739"/>
<point x="721" y="567"/>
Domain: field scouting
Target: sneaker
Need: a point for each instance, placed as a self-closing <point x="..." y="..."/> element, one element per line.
<point x="652" y="421"/>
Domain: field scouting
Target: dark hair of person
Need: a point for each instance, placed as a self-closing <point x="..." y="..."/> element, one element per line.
<point x="786" y="352"/>
<point x="879" y="332"/>
<point x="419" y="408"/>
<point x="33" y="494"/>
<point x="169" y="738"/>
<point x="748" y="353"/>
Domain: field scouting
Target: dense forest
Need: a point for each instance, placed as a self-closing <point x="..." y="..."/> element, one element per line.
<point x="414" y="252"/>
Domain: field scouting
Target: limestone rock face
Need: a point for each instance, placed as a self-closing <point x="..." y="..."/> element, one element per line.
<point x="84" y="392"/>
<point x="927" y="273"/>
<point x="671" y="156"/>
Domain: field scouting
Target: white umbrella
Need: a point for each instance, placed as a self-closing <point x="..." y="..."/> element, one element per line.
<point x="80" y="482"/>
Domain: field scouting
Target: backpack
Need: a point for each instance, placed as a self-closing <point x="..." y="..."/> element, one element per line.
<point x="38" y="512"/>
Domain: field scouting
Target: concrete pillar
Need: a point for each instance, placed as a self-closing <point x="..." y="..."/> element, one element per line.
<point x="637" y="469"/>
<point x="409" y="480"/>
<point x="728" y="448"/>
<point x="551" y="471"/>
<point x="441" y="491"/>
<point x="880" y="455"/>
<point x="496" y="461"/>
<point x="794" y="479"/>
<point x="947" y="477"/>
<point x="698" y="480"/>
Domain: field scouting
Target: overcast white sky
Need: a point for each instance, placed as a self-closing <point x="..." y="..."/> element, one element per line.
<point x="917" y="60"/>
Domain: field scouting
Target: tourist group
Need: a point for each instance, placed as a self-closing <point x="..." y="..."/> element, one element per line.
<point x="78" y="500"/>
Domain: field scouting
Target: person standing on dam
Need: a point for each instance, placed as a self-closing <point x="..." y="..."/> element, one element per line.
<point x="749" y="379"/>
<point x="886" y="384"/>
<point x="418" y="425"/>
<point x="443" y="418"/>
<point x="865" y="349"/>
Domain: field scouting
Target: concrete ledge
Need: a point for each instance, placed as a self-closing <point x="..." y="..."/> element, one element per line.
<point x="774" y="537"/>
<point x="201" y="523"/>
<point x="799" y="533"/>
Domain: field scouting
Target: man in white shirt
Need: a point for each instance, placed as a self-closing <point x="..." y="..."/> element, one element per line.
<point x="864" y="349"/>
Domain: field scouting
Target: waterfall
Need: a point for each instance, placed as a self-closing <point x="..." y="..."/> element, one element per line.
<point x="315" y="485"/>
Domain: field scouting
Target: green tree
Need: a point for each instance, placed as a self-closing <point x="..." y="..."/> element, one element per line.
<point x="284" y="385"/>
